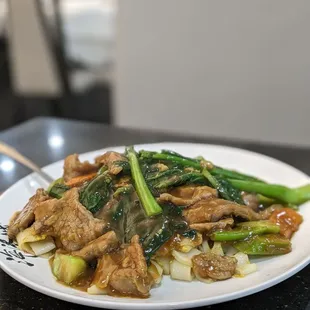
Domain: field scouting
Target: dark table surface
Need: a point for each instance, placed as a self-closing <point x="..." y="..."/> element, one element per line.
<point x="46" y="140"/>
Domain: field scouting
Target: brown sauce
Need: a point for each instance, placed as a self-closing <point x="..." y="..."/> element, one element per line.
<point x="174" y="243"/>
<point x="288" y="220"/>
<point x="83" y="282"/>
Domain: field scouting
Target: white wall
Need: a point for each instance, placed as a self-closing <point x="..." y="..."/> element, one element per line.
<point x="215" y="67"/>
<point x="89" y="28"/>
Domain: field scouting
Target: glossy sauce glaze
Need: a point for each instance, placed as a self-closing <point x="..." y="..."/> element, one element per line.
<point x="288" y="220"/>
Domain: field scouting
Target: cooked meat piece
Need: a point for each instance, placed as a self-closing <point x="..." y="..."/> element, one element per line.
<point x="125" y="271"/>
<point x="105" y="268"/>
<point x="74" y="168"/>
<point x="251" y="201"/>
<point x="135" y="257"/>
<point x="216" y="267"/>
<point x="98" y="247"/>
<point x="209" y="227"/>
<point x="132" y="277"/>
<point x="23" y="219"/>
<point x="188" y="195"/>
<point x="68" y="220"/>
<point x="212" y="210"/>
<point x="109" y="159"/>
<point x="128" y="282"/>
<point x="106" y="212"/>
<point x="123" y="181"/>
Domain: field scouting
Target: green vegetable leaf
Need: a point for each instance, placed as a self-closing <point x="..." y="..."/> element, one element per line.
<point x="224" y="187"/>
<point x="57" y="190"/>
<point x="231" y="192"/>
<point x="96" y="193"/>
<point x="231" y="174"/>
<point x="129" y="219"/>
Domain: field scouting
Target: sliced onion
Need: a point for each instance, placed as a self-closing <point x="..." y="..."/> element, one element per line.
<point x="242" y="259"/>
<point x="187" y="244"/>
<point x="185" y="258"/>
<point x="47" y="255"/>
<point x="95" y="290"/>
<point x="199" y="278"/>
<point x="164" y="262"/>
<point x="180" y="271"/>
<point x="205" y="248"/>
<point x="156" y="271"/>
<point x="217" y="249"/>
<point x="229" y="250"/>
<point x="43" y="246"/>
<point x="246" y="269"/>
<point x="25" y="237"/>
<point x="33" y="243"/>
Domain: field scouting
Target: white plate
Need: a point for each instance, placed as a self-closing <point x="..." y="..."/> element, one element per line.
<point x="35" y="272"/>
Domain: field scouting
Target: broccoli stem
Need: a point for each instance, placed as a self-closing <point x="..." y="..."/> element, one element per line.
<point x="212" y="180"/>
<point x="148" y="202"/>
<point x="265" y="200"/>
<point x="271" y="244"/>
<point x="294" y="196"/>
<point x="245" y="230"/>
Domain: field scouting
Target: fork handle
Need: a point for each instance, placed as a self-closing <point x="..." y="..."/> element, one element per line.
<point x="14" y="154"/>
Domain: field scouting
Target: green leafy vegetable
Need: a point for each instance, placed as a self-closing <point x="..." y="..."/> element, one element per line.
<point x="157" y="240"/>
<point x="124" y="165"/>
<point x="129" y="219"/>
<point x="96" y="193"/>
<point x="102" y="169"/>
<point x="57" y="181"/>
<point x="57" y="188"/>
<point x="264" y="245"/>
<point x="180" y="160"/>
<point x="216" y="176"/>
<point x="178" y="179"/>
<point x="231" y="174"/>
<point x="224" y="187"/>
<point x="148" y="202"/>
<point x="231" y="192"/>
<point x="295" y="196"/>
<point x="265" y="201"/>
<point x="165" y="226"/>
<point x="245" y="230"/>
<point x="172" y="157"/>
<point x="155" y="175"/>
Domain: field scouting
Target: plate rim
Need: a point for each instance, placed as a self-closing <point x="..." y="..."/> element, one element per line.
<point x="157" y="305"/>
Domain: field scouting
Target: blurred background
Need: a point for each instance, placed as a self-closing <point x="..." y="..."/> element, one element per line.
<point x="236" y="69"/>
